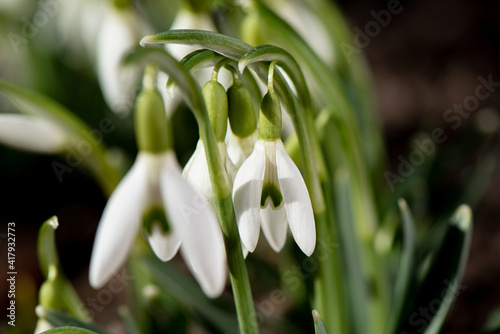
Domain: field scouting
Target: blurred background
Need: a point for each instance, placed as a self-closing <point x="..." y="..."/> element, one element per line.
<point x="427" y="59"/>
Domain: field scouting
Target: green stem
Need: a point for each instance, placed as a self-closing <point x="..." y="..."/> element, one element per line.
<point x="220" y="184"/>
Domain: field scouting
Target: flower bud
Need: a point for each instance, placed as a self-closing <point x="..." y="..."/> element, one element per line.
<point x="152" y="127"/>
<point x="215" y="97"/>
<point x="242" y="116"/>
<point x="270" y="117"/>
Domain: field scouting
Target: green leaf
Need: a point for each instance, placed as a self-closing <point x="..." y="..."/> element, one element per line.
<point x="198" y="59"/>
<point x="319" y="325"/>
<point x="68" y="330"/>
<point x="58" y="319"/>
<point x="406" y="271"/>
<point x="492" y="324"/>
<point x="228" y="46"/>
<point x="47" y="256"/>
<point x="442" y="283"/>
<point x="357" y="289"/>
<point x="47" y="253"/>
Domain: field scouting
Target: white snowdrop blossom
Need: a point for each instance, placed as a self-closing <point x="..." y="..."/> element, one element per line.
<point x="239" y="149"/>
<point x="155" y="180"/>
<point x="196" y="170"/>
<point x="156" y="196"/>
<point x="121" y="30"/>
<point x="32" y="133"/>
<point x="269" y="191"/>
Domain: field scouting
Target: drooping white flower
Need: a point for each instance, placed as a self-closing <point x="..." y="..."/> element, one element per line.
<point x="196" y="170"/>
<point x="239" y="149"/>
<point x="154" y="195"/>
<point x="32" y="133"/>
<point x="156" y="180"/>
<point x="269" y="191"/>
<point x="121" y="30"/>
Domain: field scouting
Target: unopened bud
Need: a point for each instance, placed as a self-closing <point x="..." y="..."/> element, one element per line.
<point x="215" y="97"/>
<point x="242" y="115"/>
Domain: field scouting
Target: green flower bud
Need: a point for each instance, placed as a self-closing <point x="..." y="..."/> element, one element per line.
<point x="49" y="294"/>
<point x="270" y="117"/>
<point x="152" y="127"/>
<point x="215" y="97"/>
<point x="242" y="116"/>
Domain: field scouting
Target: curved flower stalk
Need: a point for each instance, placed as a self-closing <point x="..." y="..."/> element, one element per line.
<point x="32" y="133"/>
<point x="121" y="30"/>
<point x="186" y="18"/>
<point x="172" y="213"/>
<point x="269" y="190"/>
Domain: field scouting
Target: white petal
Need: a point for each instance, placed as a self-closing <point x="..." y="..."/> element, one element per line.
<point x="297" y="202"/>
<point x="119" y="223"/>
<point x="247" y="192"/>
<point x="33" y="134"/>
<point x="120" y="32"/>
<point x="239" y="149"/>
<point x="274" y="226"/>
<point x="165" y="246"/>
<point x="195" y="222"/>
<point x="196" y="172"/>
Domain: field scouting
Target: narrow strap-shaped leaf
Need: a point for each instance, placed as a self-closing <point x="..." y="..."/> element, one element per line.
<point x="442" y="283"/>
<point x="228" y="46"/>
<point x="492" y="324"/>
<point x="47" y="256"/>
<point x="68" y="330"/>
<point x="357" y="288"/>
<point x="198" y="59"/>
<point x="406" y="271"/>
<point x="319" y="325"/>
<point x="58" y="319"/>
<point x="47" y="253"/>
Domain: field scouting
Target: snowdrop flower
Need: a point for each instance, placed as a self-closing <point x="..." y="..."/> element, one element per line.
<point x="32" y="133"/>
<point x="196" y="170"/>
<point x="269" y="190"/>
<point x="155" y="195"/>
<point x="243" y="122"/>
<point x="121" y="30"/>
